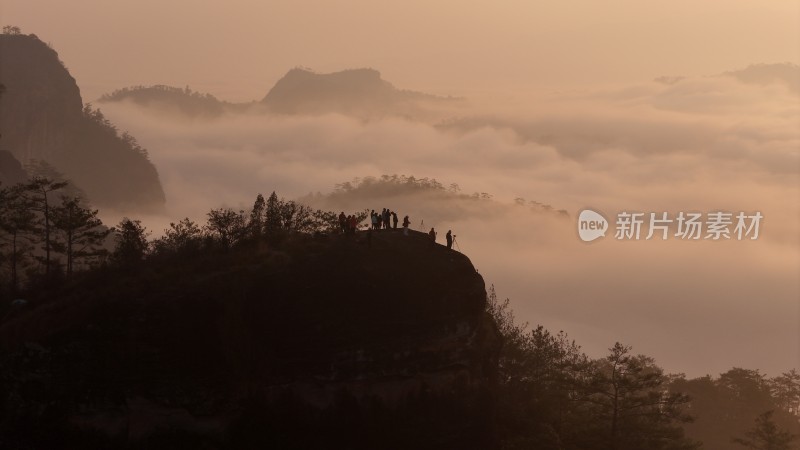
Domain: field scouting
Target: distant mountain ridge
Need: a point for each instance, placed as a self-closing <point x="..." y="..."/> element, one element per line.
<point x="355" y="91"/>
<point x="183" y="100"/>
<point x="42" y="118"/>
<point x="361" y="93"/>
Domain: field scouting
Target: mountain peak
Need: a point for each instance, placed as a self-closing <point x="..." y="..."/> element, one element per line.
<point x="350" y="91"/>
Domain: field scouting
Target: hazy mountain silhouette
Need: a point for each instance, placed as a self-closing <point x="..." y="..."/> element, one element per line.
<point x="785" y="73"/>
<point x="359" y="93"/>
<point x="429" y="199"/>
<point x="175" y="100"/>
<point x="42" y="117"/>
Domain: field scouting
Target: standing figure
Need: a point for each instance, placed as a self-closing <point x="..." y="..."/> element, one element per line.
<point x="394" y="219"/>
<point x="406" y="223"/>
<point x="449" y="237"/>
<point x="351" y="224"/>
<point x="432" y="235"/>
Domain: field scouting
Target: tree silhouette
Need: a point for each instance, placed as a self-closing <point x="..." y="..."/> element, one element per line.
<point x="766" y="435"/>
<point x="18" y="222"/>
<point x="227" y="224"/>
<point x="83" y="233"/>
<point x="272" y="217"/>
<point x="131" y="242"/>
<point x="38" y="190"/>
<point x="786" y="390"/>
<point x="727" y="405"/>
<point x="631" y="404"/>
<point x="295" y="217"/>
<point x="12" y="30"/>
<point x="179" y="236"/>
<point x="256" y="223"/>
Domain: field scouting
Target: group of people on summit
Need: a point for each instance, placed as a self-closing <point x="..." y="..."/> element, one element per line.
<point x="347" y="224"/>
<point x="386" y="220"/>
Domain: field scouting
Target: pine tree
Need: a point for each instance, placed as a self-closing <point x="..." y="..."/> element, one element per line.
<point x="39" y="190"/>
<point x="766" y="435"/>
<point x="18" y="222"/>
<point x="256" y="223"/>
<point x="786" y="390"/>
<point x="81" y="230"/>
<point x="272" y="225"/>
<point x="131" y="246"/>
<point x="630" y="404"/>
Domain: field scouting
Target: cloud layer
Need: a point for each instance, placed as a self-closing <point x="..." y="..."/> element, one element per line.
<point x="689" y="145"/>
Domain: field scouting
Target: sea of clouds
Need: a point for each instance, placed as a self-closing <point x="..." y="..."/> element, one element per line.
<point x="703" y="144"/>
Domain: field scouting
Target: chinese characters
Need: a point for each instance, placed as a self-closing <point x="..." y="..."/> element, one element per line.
<point x="716" y="225"/>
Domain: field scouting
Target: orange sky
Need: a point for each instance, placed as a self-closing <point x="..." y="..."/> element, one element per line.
<point x="237" y="49"/>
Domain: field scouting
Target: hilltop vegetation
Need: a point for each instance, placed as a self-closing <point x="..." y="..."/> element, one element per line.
<point x="173" y="99"/>
<point x="44" y="219"/>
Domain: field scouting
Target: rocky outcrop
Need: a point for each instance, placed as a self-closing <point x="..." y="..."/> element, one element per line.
<point x="42" y="117"/>
<point x="321" y="343"/>
<point x="42" y="104"/>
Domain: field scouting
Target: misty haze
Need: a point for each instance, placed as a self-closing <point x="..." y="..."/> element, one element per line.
<point x="197" y="245"/>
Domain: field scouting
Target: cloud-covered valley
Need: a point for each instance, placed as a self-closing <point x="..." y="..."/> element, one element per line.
<point x="692" y="144"/>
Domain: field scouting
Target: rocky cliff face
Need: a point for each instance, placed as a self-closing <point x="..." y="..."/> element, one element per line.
<point x="42" y="104"/>
<point x="321" y="343"/>
<point x="42" y="118"/>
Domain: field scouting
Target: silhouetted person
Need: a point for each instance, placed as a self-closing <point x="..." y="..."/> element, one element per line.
<point x="394" y="220"/>
<point x="342" y="222"/>
<point x="449" y="237"/>
<point x="432" y="235"/>
<point x="374" y="218"/>
<point x="406" y="223"/>
<point x="351" y="224"/>
<point x="385" y="218"/>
